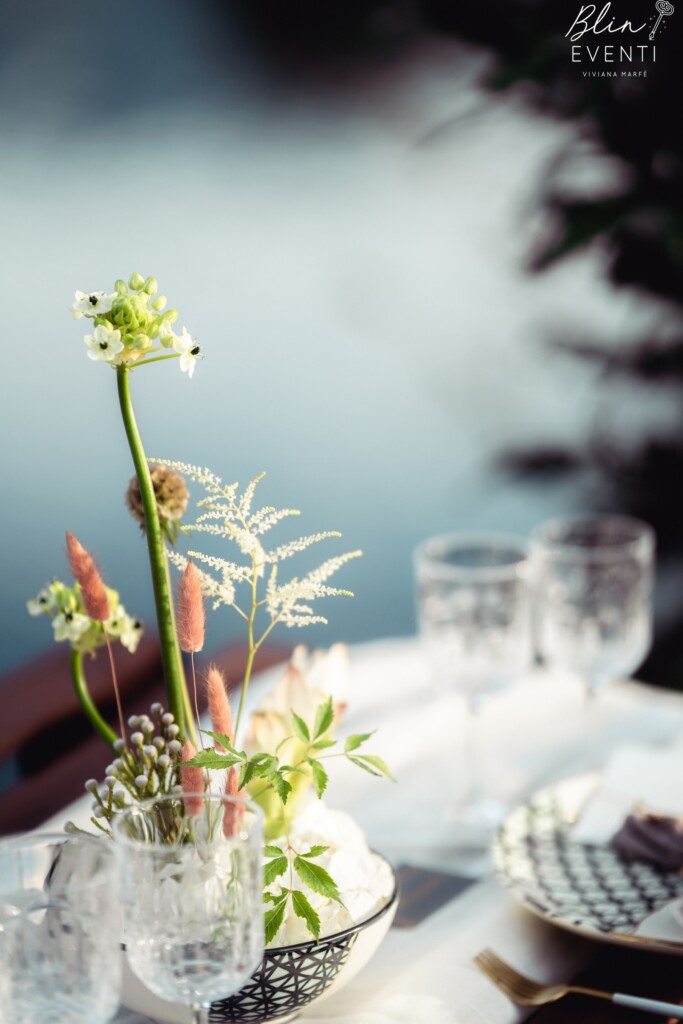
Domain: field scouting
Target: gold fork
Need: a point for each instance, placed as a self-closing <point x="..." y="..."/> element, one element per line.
<point x="526" y="992"/>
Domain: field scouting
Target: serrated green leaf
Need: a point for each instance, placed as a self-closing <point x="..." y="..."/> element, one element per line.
<point x="319" y="776"/>
<point x="355" y="741"/>
<point x="315" y="851"/>
<point x="210" y="759"/>
<point x="224" y="741"/>
<point x="323" y="744"/>
<point x="272" y="851"/>
<point x="291" y="768"/>
<point x="376" y="762"/>
<point x="264" y="766"/>
<point x="317" y="879"/>
<point x="273" y="919"/>
<point x="302" y="908"/>
<point x="246" y="775"/>
<point x="300" y="728"/>
<point x="274" y="868"/>
<point x="324" y="717"/>
<point x="280" y="785"/>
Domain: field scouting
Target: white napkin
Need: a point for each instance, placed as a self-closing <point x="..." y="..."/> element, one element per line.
<point x="633" y="775"/>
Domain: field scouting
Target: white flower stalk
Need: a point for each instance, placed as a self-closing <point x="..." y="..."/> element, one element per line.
<point x="91" y="304"/>
<point x="227" y="515"/>
<point x="105" y="344"/>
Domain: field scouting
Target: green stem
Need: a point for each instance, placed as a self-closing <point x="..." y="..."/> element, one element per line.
<point x="189" y="718"/>
<point x="174" y="678"/>
<point x="252" y="650"/>
<point x="156" y="359"/>
<point x="87" y="703"/>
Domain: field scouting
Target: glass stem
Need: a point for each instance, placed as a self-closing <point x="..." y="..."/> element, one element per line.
<point x="200" y="1014"/>
<point x="590" y="724"/>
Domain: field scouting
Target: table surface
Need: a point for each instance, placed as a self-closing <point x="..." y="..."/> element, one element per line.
<point x="531" y="734"/>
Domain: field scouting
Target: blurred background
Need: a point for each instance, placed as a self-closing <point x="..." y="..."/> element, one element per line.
<point x="434" y="269"/>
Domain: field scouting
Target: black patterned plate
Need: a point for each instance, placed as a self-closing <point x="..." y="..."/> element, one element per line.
<point x="579" y="887"/>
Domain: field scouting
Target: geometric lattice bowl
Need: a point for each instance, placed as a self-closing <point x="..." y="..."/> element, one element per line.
<point x="288" y="979"/>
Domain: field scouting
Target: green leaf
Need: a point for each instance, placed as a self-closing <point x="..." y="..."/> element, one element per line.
<point x="210" y="759"/>
<point x="292" y="768"/>
<point x="280" y="785"/>
<point x="263" y="765"/>
<point x="274" y="868"/>
<point x="300" y="728"/>
<point x="273" y="919"/>
<point x="317" y="879"/>
<point x="315" y="851"/>
<point x="302" y="908"/>
<point x="368" y="762"/>
<point x="323" y="744"/>
<point x="224" y="741"/>
<point x="319" y="776"/>
<point x="246" y="774"/>
<point x="324" y="717"/>
<point x="353" y="742"/>
<point x="272" y="851"/>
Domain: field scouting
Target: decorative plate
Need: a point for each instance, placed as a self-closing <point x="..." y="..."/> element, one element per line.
<point x="579" y="887"/>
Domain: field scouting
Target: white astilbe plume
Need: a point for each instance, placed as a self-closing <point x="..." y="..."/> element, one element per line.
<point x="227" y="514"/>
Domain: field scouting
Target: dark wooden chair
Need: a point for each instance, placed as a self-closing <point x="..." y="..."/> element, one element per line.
<point x="47" y="747"/>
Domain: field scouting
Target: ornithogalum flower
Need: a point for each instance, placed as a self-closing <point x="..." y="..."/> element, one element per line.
<point x="91" y="304"/>
<point x="188" y="350"/>
<point x="105" y="344"/>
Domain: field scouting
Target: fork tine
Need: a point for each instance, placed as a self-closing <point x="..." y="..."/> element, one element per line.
<point x="515" y="985"/>
<point x="513" y="977"/>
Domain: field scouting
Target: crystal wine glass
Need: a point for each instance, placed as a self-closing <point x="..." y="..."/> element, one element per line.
<point x="474" y="609"/>
<point x="594" y="577"/>
<point x="59" y="930"/>
<point x="192" y="895"/>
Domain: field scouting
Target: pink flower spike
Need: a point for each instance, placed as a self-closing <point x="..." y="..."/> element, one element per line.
<point x="233" y="814"/>
<point x="219" y="705"/>
<point x="191" y="610"/>
<point x="88" y="577"/>
<point x="192" y="781"/>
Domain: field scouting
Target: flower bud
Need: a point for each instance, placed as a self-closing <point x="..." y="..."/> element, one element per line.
<point x="156" y="707"/>
<point x="141" y="781"/>
<point x="172" y="731"/>
<point x="159" y="742"/>
<point x="159" y="303"/>
<point x="98" y="812"/>
<point x="137" y="739"/>
<point x="70" y="827"/>
<point x="150" y="751"/>
<point x="174" y="747"/>
<point x="121" y="287"/>
<point x="91" y="786"/>
<point x="118" y="764"/>
<point x="119" y="746"/>
<point x="170" y="316"/>
<point x="110" y="770"/>
<point x="147" y="726"/>
<point x="164" y="761"/>
<point x="151" y="286"/>
<point x="134" y="721"/>
<point x="136" y="282"/>
<point x="167" y="719"/>
<point x="111" y="781"/>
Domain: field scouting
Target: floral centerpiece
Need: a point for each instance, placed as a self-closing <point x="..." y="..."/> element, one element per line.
<point x="319" y="876"/>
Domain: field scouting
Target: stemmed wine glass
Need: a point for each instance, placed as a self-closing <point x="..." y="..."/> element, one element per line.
<point x="59" y="930"/>
<point x="474" y="609"/>
<point x="594" y="577"/>
<point x="192" y="895"/>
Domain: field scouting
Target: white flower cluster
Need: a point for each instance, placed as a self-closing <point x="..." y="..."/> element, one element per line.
<point x="128" y="322"/>
<point x="229" y="515"/>
<point x="64" y="605"/>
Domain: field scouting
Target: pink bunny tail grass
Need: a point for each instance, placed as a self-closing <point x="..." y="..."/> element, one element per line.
<point x="219" y="705"/>
<point x="192" y="781"/>
<point x="191" y="610"/>
<point x="233" y="814"/>
<point x="88" y="577"/>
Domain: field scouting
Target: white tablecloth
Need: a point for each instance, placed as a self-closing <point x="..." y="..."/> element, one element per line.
<point x="531" y="734"/>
